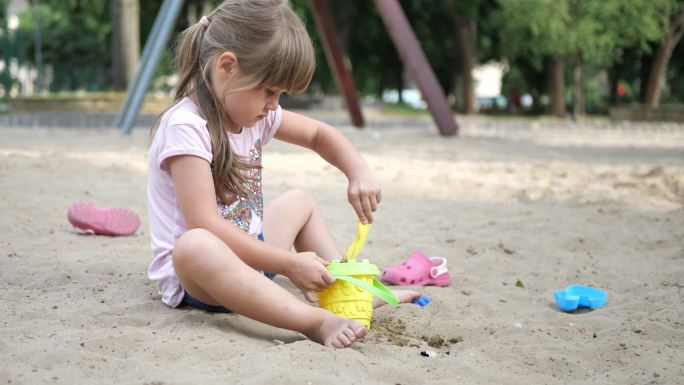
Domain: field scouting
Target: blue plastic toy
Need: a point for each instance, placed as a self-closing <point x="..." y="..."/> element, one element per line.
<point x="422" y="301"/>
<point x="579" y="296"/>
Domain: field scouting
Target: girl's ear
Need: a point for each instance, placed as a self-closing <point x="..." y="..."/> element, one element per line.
<point x="226" y="65"/>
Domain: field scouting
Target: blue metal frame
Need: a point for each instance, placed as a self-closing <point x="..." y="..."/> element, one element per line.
<point x="163" y="24"/>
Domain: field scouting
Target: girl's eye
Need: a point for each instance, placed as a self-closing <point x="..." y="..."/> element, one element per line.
<point x="270" y="92"/>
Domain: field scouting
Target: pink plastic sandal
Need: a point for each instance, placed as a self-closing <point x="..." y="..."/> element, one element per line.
<point x="103" y="220"/>
<point x="418" y="270"/>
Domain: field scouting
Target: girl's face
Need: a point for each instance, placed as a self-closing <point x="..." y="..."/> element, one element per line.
<point x="246" y="108"/>
<point x="243" y="108"/>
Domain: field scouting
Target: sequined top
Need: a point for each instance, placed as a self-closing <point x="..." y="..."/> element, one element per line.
<point x="244" y="210"/>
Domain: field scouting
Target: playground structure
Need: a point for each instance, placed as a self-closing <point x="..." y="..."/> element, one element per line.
<point x="394" y="20"/>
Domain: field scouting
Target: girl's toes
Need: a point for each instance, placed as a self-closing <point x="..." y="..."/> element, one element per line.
<point x="344" y="340"/>
<point x="349" y="333"/>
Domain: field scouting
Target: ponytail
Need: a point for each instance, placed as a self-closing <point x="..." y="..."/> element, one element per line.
<point x="187" y="60"/>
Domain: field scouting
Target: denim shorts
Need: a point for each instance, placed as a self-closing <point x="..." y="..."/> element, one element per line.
<point x="189" y="300"/>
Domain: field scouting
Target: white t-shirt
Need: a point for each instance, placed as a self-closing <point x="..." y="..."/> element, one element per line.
<point x="182" y="131"/>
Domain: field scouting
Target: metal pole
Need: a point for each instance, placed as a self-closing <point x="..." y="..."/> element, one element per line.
<point x="167" y="21"/>
<point x="337" y="60"/>
<point x="135" y="83"/>
<point x="419" y="68"/>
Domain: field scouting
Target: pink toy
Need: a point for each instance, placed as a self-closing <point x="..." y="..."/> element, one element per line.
<point x="418" y="270"/>
<point x="103" y="220"/>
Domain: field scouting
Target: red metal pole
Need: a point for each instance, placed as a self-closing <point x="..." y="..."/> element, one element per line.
<point x="337" y="60"/>
<point x="413" y="57"/>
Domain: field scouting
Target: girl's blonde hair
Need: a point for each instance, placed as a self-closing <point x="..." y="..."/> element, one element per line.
<point x="272" y="48"/>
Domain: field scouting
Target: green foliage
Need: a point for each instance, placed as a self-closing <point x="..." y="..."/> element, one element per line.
<point x="637" y="22"/>
<point x="532" y="28"/>
<point x="618" y="35"/>
<point x="376" y="65"/>
<point x="75" y="41"/>
<point x="675" y="77"/>
<point x="322" y="79"/>
<point x="591" y="29"/>
<point x="6" y="45"/>
<point x="374" y="61"/>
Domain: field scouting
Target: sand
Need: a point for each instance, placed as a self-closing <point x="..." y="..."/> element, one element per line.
<point x="519" y="207"/>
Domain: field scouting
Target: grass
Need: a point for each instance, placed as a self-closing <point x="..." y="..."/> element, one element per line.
<point x="403" y="110"/>
<point x="74" y="95"/>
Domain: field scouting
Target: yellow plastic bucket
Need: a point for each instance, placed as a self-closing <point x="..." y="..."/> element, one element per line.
<point x="351" y="295"/>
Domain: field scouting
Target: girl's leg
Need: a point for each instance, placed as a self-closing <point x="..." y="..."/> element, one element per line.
<point x="213" y="274"/>
<point x="294" y="219"/>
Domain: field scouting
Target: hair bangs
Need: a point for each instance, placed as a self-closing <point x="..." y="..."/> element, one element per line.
<point x="291" y="62"/>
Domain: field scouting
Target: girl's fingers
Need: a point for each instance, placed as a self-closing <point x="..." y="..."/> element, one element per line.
<point x="310" y="296"/>
<point x="374" y="202"/>
<point x="367" y="208"/>
<point x="321" y="285"/>
<point x="356" y="204"/>
<point x="364" y="203"/>
<point x="328" y="279"/>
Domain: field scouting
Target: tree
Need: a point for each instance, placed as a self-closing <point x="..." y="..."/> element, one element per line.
<point x="675" y="76"/>
<point x="536" y="29"/>
<point x="673" y="21"/>
<point x="576" y="32"/>
<point x="5" y="47"/>
<point x="466" y="31"/>
<point x="467" y="17"/>
<point x="78" y="45"/>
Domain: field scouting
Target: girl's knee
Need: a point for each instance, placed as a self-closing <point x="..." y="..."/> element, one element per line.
<point x="192" y="239"/>
<point x="301" y="197"/>
<point x="195" y="244"/>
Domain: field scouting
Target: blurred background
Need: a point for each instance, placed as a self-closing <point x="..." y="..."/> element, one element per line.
<point x="523" y="57"/>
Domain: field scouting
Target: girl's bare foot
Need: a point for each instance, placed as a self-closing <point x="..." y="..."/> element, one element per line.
<point x="405" y="296"/>
<point x="336" y="332"/>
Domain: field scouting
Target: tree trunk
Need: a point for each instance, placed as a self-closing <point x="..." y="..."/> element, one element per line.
<point x="577" y="102"/>
<point x="661" y="60"/>
<point x="381" y="85"/>
<point x="467" y="64"/>
<point x="38" y="51"/>
<point x="558" y="86"/>
<point x="465" y="30"/>
<point x="656" y="76"/>
<point x="646" y="63"/>
<point x="125" y="41"/>
<point x="614" y="76"/>
<point x="399" y="82"/>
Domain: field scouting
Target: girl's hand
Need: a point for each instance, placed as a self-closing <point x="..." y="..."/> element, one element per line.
<point x="364" y="195"/>
<point x="309" y="274"/>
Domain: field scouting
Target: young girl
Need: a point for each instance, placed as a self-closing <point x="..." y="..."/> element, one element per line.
<point x="206" y="149"/>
